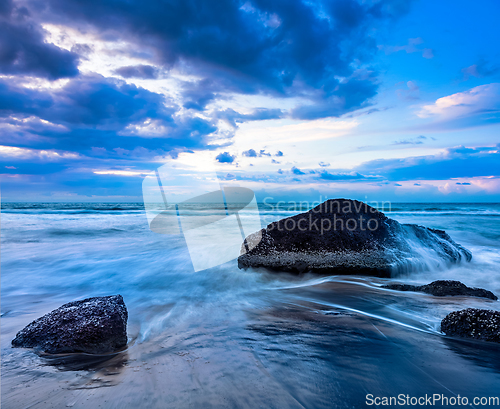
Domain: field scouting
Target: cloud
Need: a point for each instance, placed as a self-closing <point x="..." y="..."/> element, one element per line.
<point x="198" y="94"/>
<point x="341" y="176"/>
<point x="428" y="53"/>
<point x="225" y="157"/>
<point x="250" y="153"/>
<point x="480" y="70"/>
<point x="457" y="162"/>
<point x="91" y="100"/>
<point x="348" y="96"/>
<point x="285" y="49"/>
<point x="24" y="51"/>
<point x="95" y="112"/>
<point x="484" y="99"/>
<point x="121" y="172"/>
<point x="138" y="71"/>
<point x="410" y="48"/>
<point x="419" y="140"/>
<point x="422" y="176"/>
<point x="324" y="164"/>
<point x="37" y="161"/>
<point x="411" y="93"/>
<point x="366" y="112"/>
<point x="297" y="171"/>
<point x="233" y="117"/>
<point x="305" y="176"/>
<point x="279" y="153"/>
<point x="11" y="152"/>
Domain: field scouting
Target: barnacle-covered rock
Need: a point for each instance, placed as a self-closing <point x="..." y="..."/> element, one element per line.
<point x="473" y="323"/>
<point x="95" y="325"/>
<point x="343" y="236"/>
<point x="442" y="288"/>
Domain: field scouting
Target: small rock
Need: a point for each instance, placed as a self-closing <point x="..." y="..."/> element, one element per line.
<point x="473" y="323"/>
<point x="95" y="325"/>
<point x="441" y="288"/>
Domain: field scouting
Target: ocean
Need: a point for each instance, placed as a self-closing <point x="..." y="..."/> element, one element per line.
<point x="226" y="337"/>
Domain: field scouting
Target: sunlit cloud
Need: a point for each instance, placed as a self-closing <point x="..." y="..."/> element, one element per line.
<point x="121" y="172"/>
<point x="44" y="155"/>
<point x="481" y="99"/>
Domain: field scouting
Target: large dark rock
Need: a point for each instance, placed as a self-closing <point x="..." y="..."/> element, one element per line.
<point x="342" y="236"/>
<point x="95" y="325"/>
<point x="473" y="323"/>
<point x="443" y="288"/>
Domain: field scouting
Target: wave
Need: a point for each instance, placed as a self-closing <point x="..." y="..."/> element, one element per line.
<point x="89" y="232"/>
<point x="49" y="252"/>
<point x="70" y="208"/>
<point x="447" y="213"/>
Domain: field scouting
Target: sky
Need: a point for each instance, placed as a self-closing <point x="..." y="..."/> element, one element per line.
<point x="393" y="100"/>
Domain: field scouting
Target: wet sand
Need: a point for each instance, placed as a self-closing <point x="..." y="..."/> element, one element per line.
<point x="321" y="346"/>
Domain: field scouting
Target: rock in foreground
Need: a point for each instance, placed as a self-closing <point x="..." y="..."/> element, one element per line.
<point x="442" y="288"/>
<point x="95" y="325"/>
<point x="342" y="236"/>
<point x="473" y="323"/>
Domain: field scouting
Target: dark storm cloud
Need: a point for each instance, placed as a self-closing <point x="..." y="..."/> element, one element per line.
<point x="101" y="101"/>
<point x="85" y="101"/>
<point x="280" y="47"/>
<point x="233" y="118"/>
<point x="346" y="97"/>
<point x="98" y="112"/>
<point x="19" y="100"/>
<point x="315" y="50"/>
<point x="138" y="71"/>
<point x="198" y="94"/>
<point x="24" y="51"/>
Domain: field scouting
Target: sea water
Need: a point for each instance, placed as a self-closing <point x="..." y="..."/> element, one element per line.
<point x="59" y="252"/>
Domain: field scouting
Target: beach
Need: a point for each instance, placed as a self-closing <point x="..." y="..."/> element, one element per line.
<point x="226" y="337"/>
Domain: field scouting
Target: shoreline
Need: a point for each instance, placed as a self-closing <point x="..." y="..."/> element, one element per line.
<point x="323" y="335"/>
<point x="227" y="337"/>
